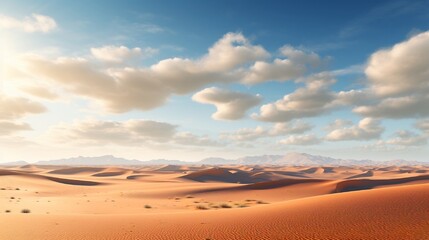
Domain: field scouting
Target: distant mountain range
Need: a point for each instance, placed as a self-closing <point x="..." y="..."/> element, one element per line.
<point x="296" y="159"/>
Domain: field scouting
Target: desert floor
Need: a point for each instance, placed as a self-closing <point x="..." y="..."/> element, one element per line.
<point x="203" y="202"/>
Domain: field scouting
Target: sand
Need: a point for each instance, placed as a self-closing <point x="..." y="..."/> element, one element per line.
<point x="202" y="202"/>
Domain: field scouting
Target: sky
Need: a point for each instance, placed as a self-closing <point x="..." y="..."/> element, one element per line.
<point x="188" y="80"/>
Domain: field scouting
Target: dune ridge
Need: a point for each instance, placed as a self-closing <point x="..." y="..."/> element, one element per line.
<point x="226" y="202"/>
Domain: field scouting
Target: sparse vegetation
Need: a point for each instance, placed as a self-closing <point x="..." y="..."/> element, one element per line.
<point x="261" y="202"/>
<point x="7" y="211"/>
<point x="147" y="206"/>
<point x="224" y="205"/>
<point x="201" y="207"/>
<point x="12" y="197"/>
<point x="189" y="196"/>
<point x="25" y="211"/>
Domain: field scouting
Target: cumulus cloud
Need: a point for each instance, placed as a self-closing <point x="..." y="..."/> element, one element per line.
<point x="397" y="107"/>
<point x="125" y="89"/>
<point x="407" y="138"/>
<point x="309" y="101"/>
<point x="230" y="105"/>
<point x="132" y="132"/>
<point x="33" y="23"/>
<point x="246" y="134"/>
<point x="41" y="92"/>
<point x="187" y="138"/>
<point x="398" y="77"/>
<point x="232" y="50"/>
<point x="121" y="91"/>
<point x="278" y="129"/>
<point x="300" y="56"/>
<point x="296" y="127"/>
<point x="401" y="69"/>
<point x="308" y="139"/>
<point x="367" y="129"/>
<point x="7" y="127"/>
<point x="423" y="125"/>
<point x="119" y="54"/>
<point x="294" y="66"/>
<point x="17" y="107"/>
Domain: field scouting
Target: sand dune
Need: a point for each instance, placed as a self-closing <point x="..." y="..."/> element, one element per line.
<point x="230" y="175"/>
<point x="363" y="184"/>
<point x="226" y="202"/>
<point x="363" y="175"/>
<point x="356" y="215"/>
<point x="76" y="170"/>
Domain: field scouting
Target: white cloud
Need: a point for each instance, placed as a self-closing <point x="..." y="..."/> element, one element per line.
<point x="119" y="91"/>
<point x="17" y="107"/>
<point x="309" y="101"/>
<point x="232" y="50"/>
<point x="407" y="138"/>
<point x="367" y="129"/>
<point x="277" y="130"/>
<point x="402" y="69"/>
<point x="300" y="56"/>
<point x="308" y="139"/>
<point x="423" y="125"/>
<point x="296" y="127"/>
<point x="41" y="92"/>
<point x="246" y="134"/>
<point x="132" y="132"/>
<point x="96" y="132"/>
<point x="7" y="127"/>
<point x="119" y="54"/>
<point x="294" y="66"/>
<point x="187" y="138"/>
<point x="34" y="23"/>
<point x="125" y="89"/>
<point x="399" y="78"/>
<point x="397" y="107"/>
<point x="230" y="105"/>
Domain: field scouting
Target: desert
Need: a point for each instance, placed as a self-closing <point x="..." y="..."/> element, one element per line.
<point x="214" y="120"/>
<point x="214" y="202"/>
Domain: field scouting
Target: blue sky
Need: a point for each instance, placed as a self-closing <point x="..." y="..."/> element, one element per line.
<point x="193" y="79"/>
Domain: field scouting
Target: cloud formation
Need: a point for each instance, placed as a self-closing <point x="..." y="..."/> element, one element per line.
<point x="8" y="127"/>
<point x="277" y="130"/>
<point x="18" y="107"/>
<point x="119" y="54"/>
<point x="124" y="89"/>
<point x="367" y="129"/>
<point x="293" y="66"/>
<point x="230" y="105"/>
<point x="33" y="23"/>
<point x="309" y="101"/>
<point x="407" y="138"/>
<point x="398" y="77"/>
<point x="308" y="139"/>
<point x="132" y="132"/>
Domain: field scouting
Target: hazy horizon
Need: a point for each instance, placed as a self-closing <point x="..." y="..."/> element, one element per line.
<point x="189" y="80"/>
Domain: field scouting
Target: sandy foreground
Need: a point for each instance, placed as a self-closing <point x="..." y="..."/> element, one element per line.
<point x="203" y="202"/>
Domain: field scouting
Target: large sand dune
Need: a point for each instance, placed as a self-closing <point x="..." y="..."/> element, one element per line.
<point x="171" y="202"/>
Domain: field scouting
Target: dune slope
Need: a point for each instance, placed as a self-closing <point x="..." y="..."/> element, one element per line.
<point x="389" y="213"/>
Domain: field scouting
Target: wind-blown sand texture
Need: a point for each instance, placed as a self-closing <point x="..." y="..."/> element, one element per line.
<point x="204" y="202"/>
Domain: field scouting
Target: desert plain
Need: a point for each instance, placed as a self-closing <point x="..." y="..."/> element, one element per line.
<point x="214" y="202"/>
